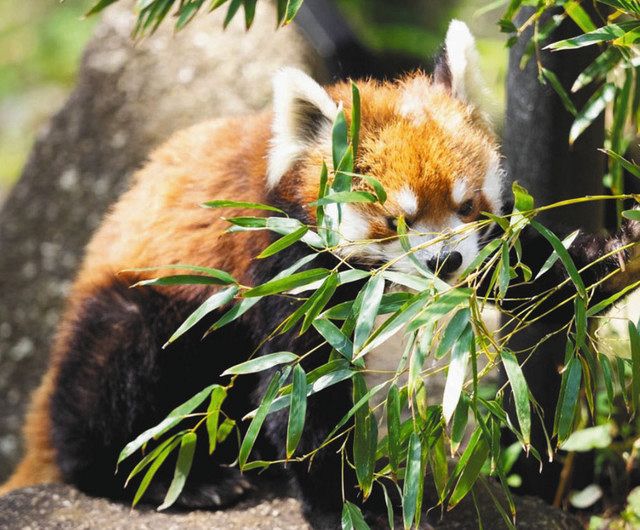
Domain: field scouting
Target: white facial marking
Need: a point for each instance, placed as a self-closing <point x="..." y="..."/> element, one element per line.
<point x="459" y="191"/>
<point x="493" y="183"/>
<point x="407" y="200"/>
<point x="290" y="86"/>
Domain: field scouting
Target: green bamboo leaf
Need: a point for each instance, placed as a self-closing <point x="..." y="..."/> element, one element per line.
<point x="550" y="261"/>
<point x="336" y="338"/>
<point x="280" y="285"/>
<point x="257" y="421"/>
<point x="603" y="34"/>
<point x="264" y="362"/>
<point x="172" y="440"/>
<point x="172" y="419"/>
<point x="439" y="467"/>
<point x="187" y="12"/>
<point x="355" y="118"/>
<point x="393" y="428"/>
<point x="183" y="466"/>
<point x="215" y="301"/>
<point x="218" y="395"/>
<point x="482" y="256"/>
<point x="319" y="300"/>
<point x="459" y="423"/>
<point x="520" y="393"/>
<point x="283" y="242"/>
<point x="297" y="410"/>
<point x="475" y="459"/>
<point x="339" y="142"/>
<point x="592" y="109"/>
<point x="352" y="518"/>
<point x="233" y="8"/>
<point x="366" y="309"/>
<point x="346" y="197"/>
<point x="557" y="86"/>
<point x="241" y="308"/>
<point x="598" y="69"/>
<point x="570" y="390"/>
<point x="362" y="402"/>
<point x="241" y="204"/>
<point x="99" y="6"/>
<point x="607" y="376"/>
<point x="225" y="429"/>
<point x="452" y="332"/>
<point x="153" y="468"/>
<point x="579" y="16"/>
<point x="564" y="256"/>
<point x="365" y="438"/>
<point x="389" y="505"/>
<point x="292" y="9"/>
<point x="412" y="481"/>
<point x="379" y="190"/>
<point x="249" y="12"/>
<point x="456" y="373"/>
<point x="631" y="167"/>
<point x="504" y="276"/>
<point x="634" y="339"/>
<point x="181" y="279"/>
<point x="394" y="323"/>
<point x="218" y="274"/>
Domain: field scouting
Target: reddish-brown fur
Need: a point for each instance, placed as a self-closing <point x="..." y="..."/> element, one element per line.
<point x="159" y="221"/>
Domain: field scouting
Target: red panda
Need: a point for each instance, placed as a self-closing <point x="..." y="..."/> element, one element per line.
<point x="423" y="137"/>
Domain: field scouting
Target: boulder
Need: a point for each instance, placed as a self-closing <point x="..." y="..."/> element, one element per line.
<point x="55" y="506"/>
<point x="129" y="97"/>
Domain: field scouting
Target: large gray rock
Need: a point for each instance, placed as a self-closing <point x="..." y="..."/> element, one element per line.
<point x="53" y="507"/>
<point x="130" y="96"/>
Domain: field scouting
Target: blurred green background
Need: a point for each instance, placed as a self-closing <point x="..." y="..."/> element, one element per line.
<point x="41" y="42"/>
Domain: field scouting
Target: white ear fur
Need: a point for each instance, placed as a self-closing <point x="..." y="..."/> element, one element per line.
<point x="463" y="63"/>
<point x="298" y="102"/>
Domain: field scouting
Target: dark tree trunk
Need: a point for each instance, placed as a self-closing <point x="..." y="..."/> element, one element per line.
<point x="540" y="158"/>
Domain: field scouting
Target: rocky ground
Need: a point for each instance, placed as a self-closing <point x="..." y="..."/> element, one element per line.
<point x="60" y="507"/>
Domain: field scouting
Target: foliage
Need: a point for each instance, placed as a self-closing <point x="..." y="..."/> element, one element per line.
<point x="614" y="76"/>
<point x="441" y="321"/>
<point x="151" y="13"/>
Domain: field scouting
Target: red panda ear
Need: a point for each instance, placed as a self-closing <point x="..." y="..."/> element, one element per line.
<point x="303" y="113"/>
<point x="458" y="68"/>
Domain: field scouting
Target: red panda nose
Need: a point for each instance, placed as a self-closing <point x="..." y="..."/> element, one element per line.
<point x="445" y="263"/>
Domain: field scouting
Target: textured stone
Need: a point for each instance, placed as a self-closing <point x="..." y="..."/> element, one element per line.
<point x="54" y="507"/>
<point x="129" y="97"/>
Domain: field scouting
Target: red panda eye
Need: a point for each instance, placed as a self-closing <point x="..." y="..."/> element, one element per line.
<point x="392" y="223"/>
<point x="466" y="208"/>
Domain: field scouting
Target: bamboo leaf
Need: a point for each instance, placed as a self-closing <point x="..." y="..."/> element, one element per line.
<point x="634" y="339"/>
<point x="334" y="336"/>
<point x="346" y="197"/>
<point x="557" y="86"/>
<point x="564" y="256"/>
<point x="153" y="468"/>
<point x="352" y="518"/>
<point x="183" y="466"/>
<point x="477" y="454"/>
<point x="566" y="243"/>
<point x="393" y="428"/>
<point x="283" y="242"/>
<point x="603" y="34"/>
<point x="592" y="109"/>
<point x="570" y="387"/>
<point x="218" y="395"/>
<point x="181" y="279"/>
<point x="412" y="479"/>
<point x="456" y="373"/>
<point x="365" y="438"/>
<point x="297" y="410"/>
<point x="366" y="310"/>
<point x="520" y="393"/>
<point x="172" y="419"/>
<point x="257" y="421"/>
<point x="280" y="285"/>
<point x="261" y="363"/>
<point x="217" y="300"/>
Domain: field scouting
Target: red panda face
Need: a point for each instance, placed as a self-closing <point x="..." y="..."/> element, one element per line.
<point x="422" y="137"/>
